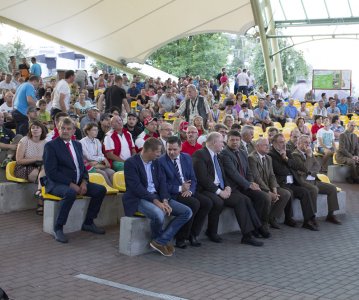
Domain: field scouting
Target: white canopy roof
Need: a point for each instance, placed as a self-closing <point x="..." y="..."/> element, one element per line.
<point x="124" y="30"/>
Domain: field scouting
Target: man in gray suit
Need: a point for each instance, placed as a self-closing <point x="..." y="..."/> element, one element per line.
<point x="348" y="152"/>
<point x="261" y="166"/>
<point x="247" y="134"/>
<point x="308" y="168"/>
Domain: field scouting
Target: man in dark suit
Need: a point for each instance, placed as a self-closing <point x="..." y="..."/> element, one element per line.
<point x="181" y="184"/>
<point x="261" y="165"/>
<point x="348" y="152"/>
<point x="211" y="182"/>
<point x="284" y="167"/>
<point x="239" y="175"/>
<point x="308" y="168"/>
<point x="67" y="177"/>
<point x="146" y="192"/>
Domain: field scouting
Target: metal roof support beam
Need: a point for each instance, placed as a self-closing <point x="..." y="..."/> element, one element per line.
<point x="275" y="47"/>
<point x="258" y="18"/>
<point x="317" y="22"/>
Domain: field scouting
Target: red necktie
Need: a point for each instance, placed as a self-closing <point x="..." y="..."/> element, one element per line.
<point x="69" y="148"/>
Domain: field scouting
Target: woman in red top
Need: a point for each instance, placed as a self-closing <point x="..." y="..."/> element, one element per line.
<point x="317" y="125"/>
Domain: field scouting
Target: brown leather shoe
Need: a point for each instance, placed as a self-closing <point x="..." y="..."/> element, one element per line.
<point x="163" y="249"/>
<point x="333" y="219"/>
<point x="309" y="225"/>
<point x="171" y="248"/>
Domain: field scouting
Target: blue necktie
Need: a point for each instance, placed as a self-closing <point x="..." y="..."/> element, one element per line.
<point x="219" y="172"/>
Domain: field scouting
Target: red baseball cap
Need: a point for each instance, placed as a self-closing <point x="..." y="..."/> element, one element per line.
<point x="149" y="120"/>
<point x="183" y="126"/>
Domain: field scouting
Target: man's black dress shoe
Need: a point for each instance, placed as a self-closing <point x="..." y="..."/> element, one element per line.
<point x="309" y="225"/>
<point x="214" y="237"/>
<point x="274" y="224"/>
<point x="194" y="241"/>
<point x="181" y="244"/>
<point x="60" y="237"/>
<point x="264" y="233"/>
<point x="251" y="241"/>
<point x="333" y="219"/>
<point x="290" y="222"/>
<point x="93" y="228"/>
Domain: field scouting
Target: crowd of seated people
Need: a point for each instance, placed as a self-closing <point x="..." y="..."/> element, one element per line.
<point x="187" y="148"/>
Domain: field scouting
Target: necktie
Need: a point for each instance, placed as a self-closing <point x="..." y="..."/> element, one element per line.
<point x="241" y="171"/>
<point x="177" y="169"/>
<point x="219" y="172"/>
<point x="69" y="148"/>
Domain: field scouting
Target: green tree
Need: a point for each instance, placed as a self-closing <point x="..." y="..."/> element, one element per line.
<point x="203" y="54"/>
<point x="293" y="65"/>
<point x="16" y="48"/>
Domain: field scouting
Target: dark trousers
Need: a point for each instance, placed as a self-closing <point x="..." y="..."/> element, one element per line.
<point x="95" y="191"/>
<point x="200" y="206"/>
<point x="194" y="205"/>
<point x="261" y="203"/>
<point x="215" y="211"/>
<point x="243" y="89"/>
<point x="21" y="122"/>
<point x="54" y="111"/>
<point x="246" y="215"/>
<point x="304" y="197"/>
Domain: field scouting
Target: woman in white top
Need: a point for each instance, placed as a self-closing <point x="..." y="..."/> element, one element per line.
<point x="82" y="105"/>
<point x="224" y="88"/>
<point x="95" y="160"/>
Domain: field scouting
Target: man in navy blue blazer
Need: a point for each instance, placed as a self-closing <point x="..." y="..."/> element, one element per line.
<point x="181" y="184"/>
<point x="146" y="192"/>
<point x="67" y="177"/>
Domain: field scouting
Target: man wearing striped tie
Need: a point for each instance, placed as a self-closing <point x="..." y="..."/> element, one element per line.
<point x="181" y="184"/>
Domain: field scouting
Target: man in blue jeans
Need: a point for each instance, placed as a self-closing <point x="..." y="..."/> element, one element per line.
<point x="146" y="192"/>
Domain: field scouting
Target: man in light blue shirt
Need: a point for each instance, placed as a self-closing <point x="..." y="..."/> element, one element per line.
<point x="25" y="96"/>
<point x="35" y="68"/>
<point x="343" y="107"/>
<point x="291" y="111"/>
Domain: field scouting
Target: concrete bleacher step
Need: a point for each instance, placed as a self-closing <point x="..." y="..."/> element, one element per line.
<point x="110" y="213"/>
<point x="338" y="173"/>
<point x="17" y="196"/>
<point x="135" y="233"/>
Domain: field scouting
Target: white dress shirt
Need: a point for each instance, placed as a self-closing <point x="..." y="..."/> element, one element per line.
<point x="75" y="160"/>
<point x="216" y="178"/>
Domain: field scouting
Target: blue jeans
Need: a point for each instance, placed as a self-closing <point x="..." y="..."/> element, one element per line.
<point x="162" y="236"/>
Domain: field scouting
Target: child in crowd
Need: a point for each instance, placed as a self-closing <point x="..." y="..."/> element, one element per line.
<point x="43" y="115"/>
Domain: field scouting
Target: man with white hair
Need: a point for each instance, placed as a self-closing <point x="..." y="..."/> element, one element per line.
<point x="247" y="134"/>
<point x="262" y="169"/>
<point x="212" y="183"/>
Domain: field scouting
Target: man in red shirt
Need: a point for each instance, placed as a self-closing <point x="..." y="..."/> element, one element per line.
<point x="190" y="145"/>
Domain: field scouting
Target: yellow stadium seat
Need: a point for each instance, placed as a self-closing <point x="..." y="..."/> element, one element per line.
<point x="167" y="118"/>
<point x="119" y="181"/>
<point x="134" y="104"/>
<point x="244" y="97"/>
<point x="286" y="133"/>
<point x="325" y="178"/>
<point x="344" y="119"/>
<point x="10" y="167"/>
<point x="99" y="179"/>
<point x="335" y="159"/>
<point x="139" y="214"/>
<point x="48" y="196"/>
<point x="290" y="125"/>
<point x="308" y="104"/>
<point x="277" y="125"/>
